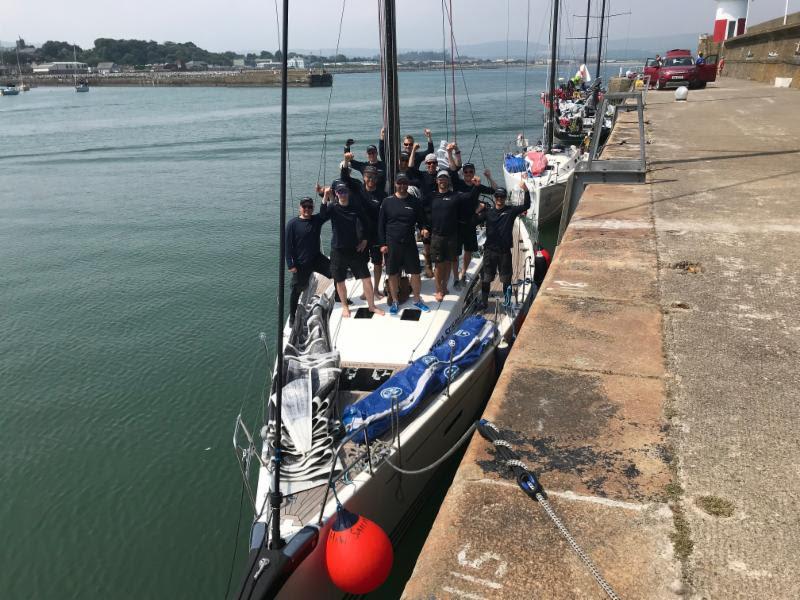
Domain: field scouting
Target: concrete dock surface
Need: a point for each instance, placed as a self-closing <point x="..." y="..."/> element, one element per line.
<point x="654" y="386"/>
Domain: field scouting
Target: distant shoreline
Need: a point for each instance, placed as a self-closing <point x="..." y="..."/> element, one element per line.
<point x="244" y="78"/>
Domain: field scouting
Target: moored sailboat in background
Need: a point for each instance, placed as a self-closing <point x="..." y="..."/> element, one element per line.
<point x="82" y="85"/>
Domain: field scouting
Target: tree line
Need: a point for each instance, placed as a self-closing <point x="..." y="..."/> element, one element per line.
<point x="141" y="52"/>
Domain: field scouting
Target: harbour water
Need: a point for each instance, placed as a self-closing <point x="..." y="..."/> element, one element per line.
<point x="138" y="243"/>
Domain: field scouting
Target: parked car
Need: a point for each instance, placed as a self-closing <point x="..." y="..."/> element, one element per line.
<point x="678" y="68"/>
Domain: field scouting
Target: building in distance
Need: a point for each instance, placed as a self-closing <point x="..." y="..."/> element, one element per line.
<point x="62" y="68"/>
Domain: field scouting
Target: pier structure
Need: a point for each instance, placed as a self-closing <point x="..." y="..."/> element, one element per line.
<point x="653" y="387"/>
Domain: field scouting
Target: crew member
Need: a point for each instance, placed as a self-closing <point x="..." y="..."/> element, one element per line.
<point x="303" y="254"/>
<point x="445" y="207"/>
<point x="700" y="60"/>
<point x="348" y="244"/>
<point x="372" y="161"/>
<point x="399" y="214"/>
<point x="500" y="220"/>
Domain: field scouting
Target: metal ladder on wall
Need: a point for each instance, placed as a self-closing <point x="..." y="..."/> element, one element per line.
<point x="597" y="170"/>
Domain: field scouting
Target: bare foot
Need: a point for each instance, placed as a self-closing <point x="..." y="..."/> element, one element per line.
<point x="363" y="296"/>
<point x="345" y="312"/>
<point x="377" y="311"/>
<point x="439" y="296"/>
<point x="378" y="296"/>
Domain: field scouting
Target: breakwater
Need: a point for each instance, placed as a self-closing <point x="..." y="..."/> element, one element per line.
<point x="297" y="78"/>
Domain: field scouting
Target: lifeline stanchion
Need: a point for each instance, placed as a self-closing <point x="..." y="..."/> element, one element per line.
<point x="529" y="484"/>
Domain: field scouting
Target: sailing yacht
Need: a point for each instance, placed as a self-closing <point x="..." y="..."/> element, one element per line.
<point x="546" y="167"/>
<point x="82" y="85"/>
<point x="362" y="409"/>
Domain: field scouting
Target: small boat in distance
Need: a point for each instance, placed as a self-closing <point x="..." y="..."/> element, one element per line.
<point x="10" y="90"/>
<point x="82" y="85"/>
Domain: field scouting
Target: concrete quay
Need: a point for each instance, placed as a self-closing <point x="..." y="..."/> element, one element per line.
<point x="653" y="387"/>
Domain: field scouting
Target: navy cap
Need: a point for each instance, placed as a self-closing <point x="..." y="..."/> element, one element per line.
<point x="468" y="166"/>
<point x="401" y="177"/>
<point x="501" y="191"/>
<point x="341" y="187"/>
<point x="306" y="200"/>
<point x="372" y="148"/>
<point x="370" y="170"/>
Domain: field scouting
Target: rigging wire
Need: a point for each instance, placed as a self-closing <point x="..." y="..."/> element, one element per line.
<point x="453" y="71"/>
<point x="508" y="24"/>
<point x="444" y="73"/>
<point x="525" y="76"/>
<point x="466" y="91"/>
<point x="323" y="154"/>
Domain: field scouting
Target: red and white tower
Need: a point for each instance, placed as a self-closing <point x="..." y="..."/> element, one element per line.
<point x="731" y="19"/>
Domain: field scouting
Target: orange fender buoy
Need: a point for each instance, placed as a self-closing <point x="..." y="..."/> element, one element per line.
<point x="358" y="553"/>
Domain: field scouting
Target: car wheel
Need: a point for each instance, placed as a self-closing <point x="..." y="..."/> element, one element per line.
<point x="701" y="85"/>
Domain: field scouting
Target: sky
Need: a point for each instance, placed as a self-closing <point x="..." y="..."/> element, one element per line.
<point x="248" y="25"/>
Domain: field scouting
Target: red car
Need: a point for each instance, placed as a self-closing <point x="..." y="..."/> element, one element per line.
<point x="678" y="68"/>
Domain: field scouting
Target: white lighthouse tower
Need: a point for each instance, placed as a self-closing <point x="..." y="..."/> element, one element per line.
<point x="731" y="19"/>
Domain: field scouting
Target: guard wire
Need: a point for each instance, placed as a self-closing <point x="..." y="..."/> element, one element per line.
<point x="467" y="434"/>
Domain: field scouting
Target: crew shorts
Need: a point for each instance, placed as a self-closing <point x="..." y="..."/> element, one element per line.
<point x="321" y="264"/>
<point x="343" y="259"/>
<point x="375" y="255"/>
<point x="444" y="248"/>
<point x="467" y="238"/>
<point x="494" y="262"/>
<point x="402" y="257"/>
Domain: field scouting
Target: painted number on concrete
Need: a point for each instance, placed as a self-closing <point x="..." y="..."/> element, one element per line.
<point x="474" y="563"/>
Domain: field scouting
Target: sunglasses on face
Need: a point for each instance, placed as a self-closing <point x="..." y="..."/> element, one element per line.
<point x="307" y="206"/>
<point x="468" y="171"/>
<point x="371" y="151"/>
<point x="408" y="144"/>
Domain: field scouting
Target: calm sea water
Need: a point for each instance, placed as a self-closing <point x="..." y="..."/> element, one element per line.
<point x="138" y="249"/>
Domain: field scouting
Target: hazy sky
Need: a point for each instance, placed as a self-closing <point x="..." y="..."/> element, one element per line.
<point x="244" y="25"/>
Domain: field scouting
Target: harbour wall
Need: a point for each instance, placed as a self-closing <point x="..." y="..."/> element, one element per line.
<point x="651" y="386"/>
<point x="767" y="52"/>
<point x="296" y="78"/>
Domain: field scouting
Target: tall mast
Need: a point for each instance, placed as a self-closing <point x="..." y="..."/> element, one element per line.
<point x="391" y="112"/>
<point x="600" y="44"/>
<point x="275" y="497"/>
<point x="553" y="46"/>
<point x="586" y="36"/>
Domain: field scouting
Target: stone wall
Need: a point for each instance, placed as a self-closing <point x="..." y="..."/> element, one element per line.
<point x="766" y="51"/>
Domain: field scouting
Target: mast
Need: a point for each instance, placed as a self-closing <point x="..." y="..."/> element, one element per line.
<point x="276" y="498"/>
<point x="586" y="36"/>
<point x="19" y="68"/>
<point x="391" y="112"/>
<point x="551" y="115"/>
<point x="600" y="44"/>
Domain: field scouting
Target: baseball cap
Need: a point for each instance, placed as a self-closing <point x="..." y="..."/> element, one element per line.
<point x="370" y="170"/>
<point x="468" y="166"/>
<point x="401" y="177"/>
<point x="442" y="174"/>
<point x="501" y="192"/>
<point x="341" y="188"/>
<point x="430" y="158"/>
<point x="372" y="148"/>
<point x="306" y="200"/>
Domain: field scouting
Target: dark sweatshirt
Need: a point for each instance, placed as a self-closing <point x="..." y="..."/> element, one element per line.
<point x="500" y="224"/>
<point x="370" y="201"/>
<point x="348" y="223"/>
<point x="419" y="155"/>
<point x="397" y="219"/>
<point x="445" y="208"/>
<point x="465" y="216"/>
<point x="302" y="240"/>
<point x="359" y="166"/>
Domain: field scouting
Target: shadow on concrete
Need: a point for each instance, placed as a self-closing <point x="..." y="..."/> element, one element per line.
<point x="695" y="192"/>
<point x="728" y="157"/>
<point x="736" y="98"/>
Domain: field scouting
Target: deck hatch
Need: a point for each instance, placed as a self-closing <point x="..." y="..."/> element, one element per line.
<point x="411" y="314"/>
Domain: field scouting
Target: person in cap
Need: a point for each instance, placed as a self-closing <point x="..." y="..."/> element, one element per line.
<point x="370" y="197"/>
<point x="427" y="186"/>
<point x="499" y="219"/>
<point x="467" y="236"/>
<point x="403" y="167"/>
<point x="349" y="225"/>
<point x="372" y="161"/>
<point x="445" y="206"/>
<point x="415" y="155"/>
<point x="303" y="254"/>
<point x="399" y="215"/>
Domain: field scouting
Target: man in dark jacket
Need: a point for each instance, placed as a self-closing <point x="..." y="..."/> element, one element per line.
<point x="348" y="244"/>
<point x="445" y="207"/>
<point x="370" y="197"/>
<point x="500" y="219"/>
<point x="409" y="147"/>
<point x="399" y="214"/>
<point x="303" y="254"/>
<point x="372" y="161"/>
